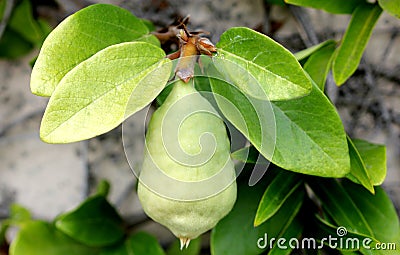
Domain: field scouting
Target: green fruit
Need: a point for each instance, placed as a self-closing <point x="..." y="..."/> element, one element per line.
<point x="187" y="182"/>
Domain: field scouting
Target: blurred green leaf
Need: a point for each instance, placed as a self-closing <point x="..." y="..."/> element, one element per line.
<point x="319" y="64"/>
<point x="236" y="234"/>
<point x="253" y="62"/>
<point x="19" y="214"/>
<point x="391" y="6"/>
<point x="349" y="53"/>
<point x="193" y="249"/>
<point x="150" y="26"/>
<point x="337" y="6"/>
<point x="77" y="38"/>
<point x="358" y="172"/>
<point x="304" y="54"/>
<point x="123" y="77"/>
<point x="95" y="223"/>
<point x="374" y="157"/>
<point x="23" y="23"/>
<point x="103" y="188"/>
<point x="3" y="229"/>
<point x="39" y="238"/>
<point x="139" y="243"/>
<point x="12" y="45"/>
<point x="280" y="189"/>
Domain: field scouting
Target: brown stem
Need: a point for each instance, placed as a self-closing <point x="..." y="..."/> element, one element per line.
<point x="185" y="67"/>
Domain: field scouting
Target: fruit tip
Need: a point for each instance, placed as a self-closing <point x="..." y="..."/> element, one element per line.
<point x="184" y="242"/>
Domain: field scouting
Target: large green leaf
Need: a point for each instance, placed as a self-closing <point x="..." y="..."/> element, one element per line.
<point x="95" y="96"/>
<point x="374" y="158"/>
<point x="38" y="238"/>
<point x="280" y="189"/>
<point x="310" y="137"/>
<point x="139" y="243"/>
<point x="378" y="210"/>
<point x="94" y="223"/>
<point x="319" y="64"/>
<point x="337" y="6"/>
<point x="340" y="206"/>
<point x="259" y="66"/>
<point x="391" y="6"/>
<point x="354" y="41"/>
<point x="358" y="172"/>
<point x="238" y="224"/>
<point x="77" y="38"/>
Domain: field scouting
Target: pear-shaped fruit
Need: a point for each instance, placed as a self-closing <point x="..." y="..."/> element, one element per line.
<point x="187" y="182"/>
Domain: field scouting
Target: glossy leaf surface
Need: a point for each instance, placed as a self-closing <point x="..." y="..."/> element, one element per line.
<point x="98" y="94"/>
<point x="349" y="53"/>
<point x="77" y="38"/>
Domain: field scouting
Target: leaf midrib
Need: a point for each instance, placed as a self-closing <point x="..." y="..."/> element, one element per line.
<point x="146" y="70"/>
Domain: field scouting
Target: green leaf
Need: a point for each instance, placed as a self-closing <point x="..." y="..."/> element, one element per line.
<point x="374" y="157"/>
<point x="340" y="206"/>
<point x="294" y="230"/>
<point x="23" y="23"/>
<point x="358" y="169"/>
<point x="19" y="214"/>
<point x="150" y="39"/>
<point x="77" y="38"/>
<point x="391" y="6"/>
<point x="2" y="9"/>
<point x="95" y="223"/>
<point x="4" y="225"/>
<point x="337" y="6"/>
<point x="354" y="41"/>
<point x="103" y="188"/>
<point x="319" y="64"/>
<point x="260" y="66"/>
<point x="150" y="26"/>
<point x="324" y="229"/>
<point x="310" y="137"/>
<point x="38" y="238"/>
<point x="247" y="155"/>
<point x="238" y="224"/>
<point x="193" y="249"/>
<point x="99" y="93"/>
<point x="139" y="243"/>
<point x="378" y="210"/>
<point x="304" y="54"/>
<point x="12" y="45"/>
<point x="280" y="189"/>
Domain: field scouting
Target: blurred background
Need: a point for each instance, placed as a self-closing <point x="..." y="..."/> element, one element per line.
<point x="50" y="179"/>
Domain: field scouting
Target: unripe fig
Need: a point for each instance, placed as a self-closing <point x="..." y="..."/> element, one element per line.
<point x="187" y="182"/>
